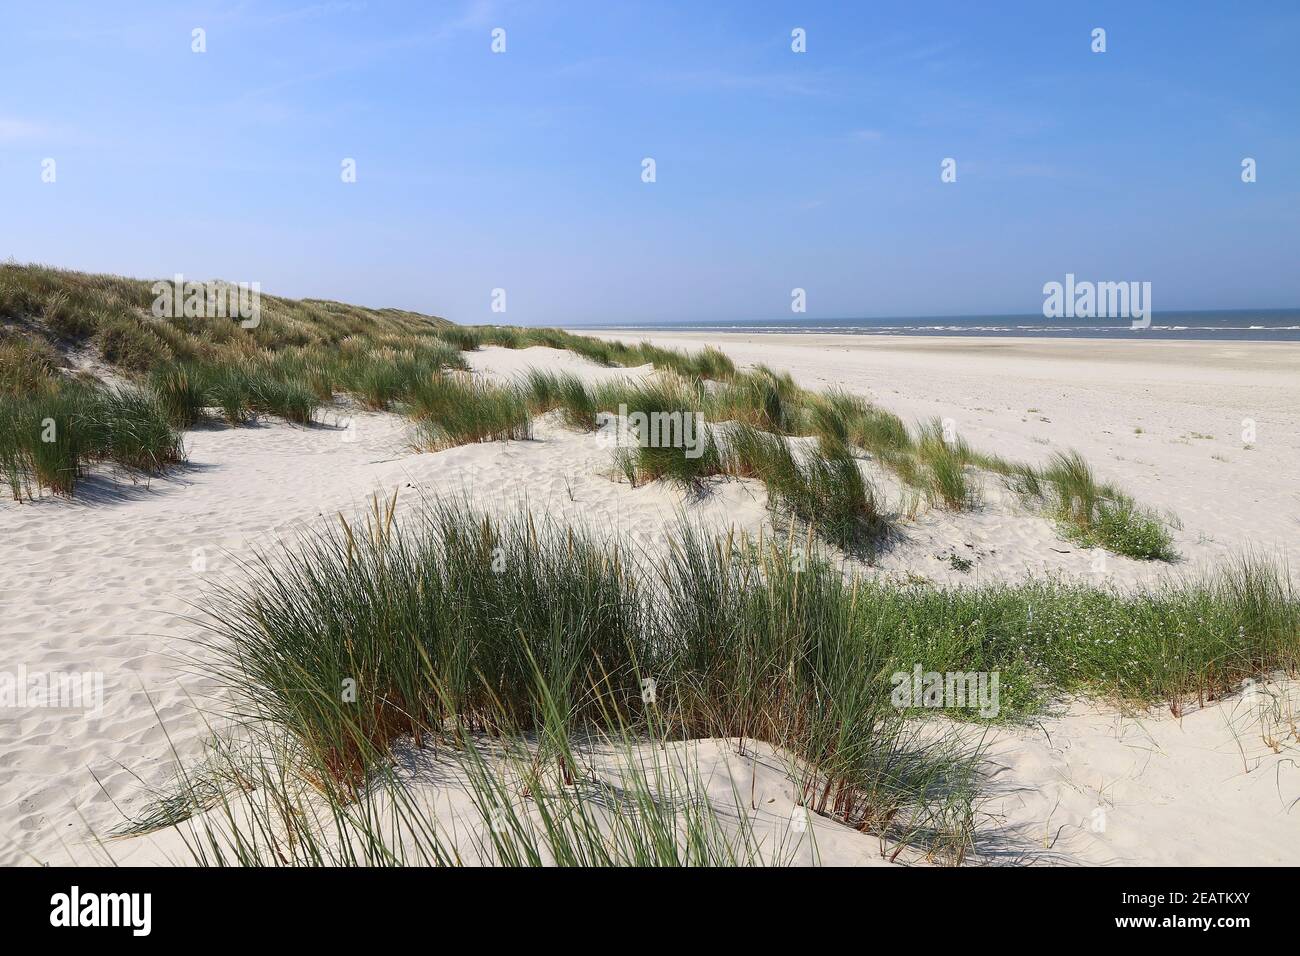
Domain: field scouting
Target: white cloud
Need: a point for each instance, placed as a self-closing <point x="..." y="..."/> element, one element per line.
<point x="13" y="129"/>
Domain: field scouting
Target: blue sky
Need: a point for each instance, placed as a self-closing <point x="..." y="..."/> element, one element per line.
<point x="775" y="170"/>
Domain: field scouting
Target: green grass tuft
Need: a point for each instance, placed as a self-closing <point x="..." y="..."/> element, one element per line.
<point x="457" y="410"/>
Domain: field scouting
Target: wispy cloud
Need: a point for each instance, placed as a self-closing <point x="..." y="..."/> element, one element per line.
<point x="13" y="130"/>
<point x="475" y="15"/>
<point x="721" y="79"/>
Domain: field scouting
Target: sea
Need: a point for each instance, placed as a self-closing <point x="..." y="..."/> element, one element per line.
<point x="1247" y="325"/>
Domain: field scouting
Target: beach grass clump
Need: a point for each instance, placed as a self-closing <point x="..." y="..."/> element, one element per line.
<point x="779" y="647"/>
<point x="440" y="353"/>
<point x="376" y="381"/>
<point x="384" y="377"/>
<point x="839" y="419"/>
<point x="456" y="623"/>
<point x="240" y="391"/>
<point x="1120" y="526"/>
<point x="48" y="439"/>
<point x="367" y="635"/>
<point x="1094" y="514"/>
<point x="665" y="429"/>
<point x="128" y="342"/>
<point x="492" y="635"/>
<point x="829" y="492"/>
<point x="547" y="391"/>
<point x="455" y="409"/>
<point x="832" y="416"/>
<point x="313" y="369"/>
<point x="67" y="320"/>
<point x="286" y="398"/>
<point x="45" y="442"/>
<point x="226" y="388"/>
<point x="684" y="463"/>
<point x="761" y="398"/>
<point x="662" y="395"/>
<point x="1069" y="479"/>
<point x="880" y="432"/>
<point x="462" y="338"/>
<point x="181" y="392"/>
<point x="944" y="458"/>
<point x="27" y="366"/>
<point x="130" y="428"/>
<point x="826" y="490"/>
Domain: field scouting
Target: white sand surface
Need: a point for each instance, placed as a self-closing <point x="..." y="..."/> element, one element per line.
<point x="106" y="583"/>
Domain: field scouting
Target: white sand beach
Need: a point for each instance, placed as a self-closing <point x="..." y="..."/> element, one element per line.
<point x="108" y="581"/>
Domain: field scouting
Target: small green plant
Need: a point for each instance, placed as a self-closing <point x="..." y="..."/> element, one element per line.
<point x="1120" y="526"/>
<point x="1095" y="515"/>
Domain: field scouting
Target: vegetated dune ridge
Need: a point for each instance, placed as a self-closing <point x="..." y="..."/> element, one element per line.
<point x="106" y="581"/>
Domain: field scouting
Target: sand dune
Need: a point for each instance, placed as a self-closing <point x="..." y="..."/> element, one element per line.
<point x="107" y="582"/>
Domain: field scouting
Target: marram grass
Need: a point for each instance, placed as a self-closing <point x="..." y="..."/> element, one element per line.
<point x="519" y="626"/>
<point x="303" y="353"/>
<point x="524" y="630"/>
<point x="48" y="441"/>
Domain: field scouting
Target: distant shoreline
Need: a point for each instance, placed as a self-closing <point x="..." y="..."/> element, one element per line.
<point x="1257" y="325"/>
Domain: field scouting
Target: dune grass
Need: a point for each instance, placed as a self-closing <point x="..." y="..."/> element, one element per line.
<point x="682" y="466"/>
<point x="26" y="366"/>
<point x="295" y="358"/>
<point x="545" y="391"/>
<point x="302" y="353"/>
<point x="130" y="429"/>
<point x="637" y="806"/>
<point x="454" y="410"/>
<point x="383" y="377"/>
<point x="760" y="398"/>
<point x="40" y="443"/>
<point x="827" y="490"/>
<point x="526" y="635"/>
<point x="706" y="363"/>
<point x="181" y="394"/>
<point x="939" y="465"/>
<point x="68" y="306"/>
<point x="1094" y="514"/>
<point x="481" y="624"/>
<point x="944" y="458"/>
<point x="48" y="440"/>
<point x="823" y="488"/>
